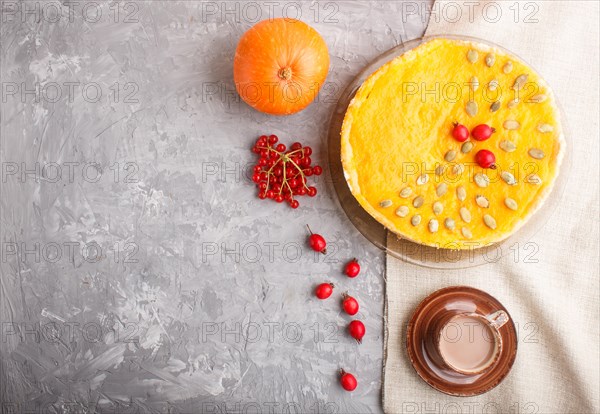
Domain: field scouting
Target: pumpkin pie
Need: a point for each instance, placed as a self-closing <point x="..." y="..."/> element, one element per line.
<point x="405" y="167"/>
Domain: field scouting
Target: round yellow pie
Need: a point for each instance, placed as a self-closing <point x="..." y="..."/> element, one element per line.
<point x="406" y="169"/>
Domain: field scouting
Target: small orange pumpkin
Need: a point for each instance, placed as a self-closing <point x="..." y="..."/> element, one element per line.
<point x="280" y="65"/>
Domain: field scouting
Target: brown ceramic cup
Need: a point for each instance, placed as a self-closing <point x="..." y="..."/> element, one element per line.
<point x="468" y="343"/>
<point x="443" y="309"/>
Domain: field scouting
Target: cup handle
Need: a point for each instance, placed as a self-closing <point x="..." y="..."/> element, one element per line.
<point x="498" y="319"/>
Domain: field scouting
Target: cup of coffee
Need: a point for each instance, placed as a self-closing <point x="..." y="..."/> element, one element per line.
<point x="470" y="343"/>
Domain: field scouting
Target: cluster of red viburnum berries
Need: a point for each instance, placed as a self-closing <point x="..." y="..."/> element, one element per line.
<point x="280" y="174"/>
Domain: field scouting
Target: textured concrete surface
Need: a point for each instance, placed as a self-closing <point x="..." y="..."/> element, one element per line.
<point x="140" y="273"/>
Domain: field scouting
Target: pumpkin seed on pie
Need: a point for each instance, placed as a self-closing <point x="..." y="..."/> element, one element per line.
<point x="482" y="201"/>
<point x="510" y="203"/>
<point x="466" y="147"/>
<point x="461" y="193"/>
<point x="402" y="211"/>
<point x="385" y="203"/>
<point x="406" y="192"/>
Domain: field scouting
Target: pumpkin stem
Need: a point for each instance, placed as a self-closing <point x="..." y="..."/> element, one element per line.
<point x="285" y="73"/>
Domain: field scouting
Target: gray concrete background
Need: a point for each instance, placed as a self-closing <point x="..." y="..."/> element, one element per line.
<point x="140" y="273"/>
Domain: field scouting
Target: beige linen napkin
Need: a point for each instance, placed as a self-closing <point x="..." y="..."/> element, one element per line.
<point x="552" y="286"/>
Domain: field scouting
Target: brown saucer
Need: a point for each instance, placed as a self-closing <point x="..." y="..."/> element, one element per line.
<point x="455" y="300"/>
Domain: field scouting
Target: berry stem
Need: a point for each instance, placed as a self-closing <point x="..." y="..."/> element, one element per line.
<point x="294" y="151"/>
<point x="284" y="180"/>
<point x="299" y="172"/>
<point x="284" y="158"/>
